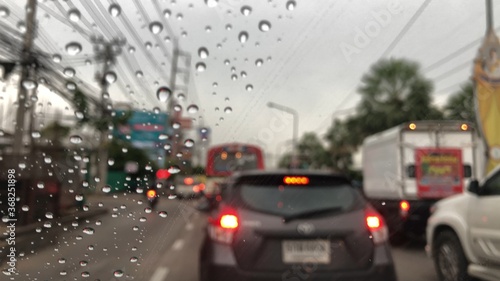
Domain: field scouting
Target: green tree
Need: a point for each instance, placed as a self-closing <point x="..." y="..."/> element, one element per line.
<point x="312" y="153"/>
<point x="341" y="144"/>
<point x="460" y="105"/>
<point x="392" y="92"/>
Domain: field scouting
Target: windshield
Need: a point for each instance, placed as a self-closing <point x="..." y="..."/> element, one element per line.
<point x="101" y="99"/>
<point x="288" y="201"/>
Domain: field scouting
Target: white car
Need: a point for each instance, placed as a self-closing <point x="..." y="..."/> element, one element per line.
<point x="463" y="232"/>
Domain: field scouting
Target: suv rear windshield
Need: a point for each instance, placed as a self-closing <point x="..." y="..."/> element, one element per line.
<point x="274" y="197"/>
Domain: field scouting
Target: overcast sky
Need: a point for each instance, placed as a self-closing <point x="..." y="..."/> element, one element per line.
<point x="313" y="56"/>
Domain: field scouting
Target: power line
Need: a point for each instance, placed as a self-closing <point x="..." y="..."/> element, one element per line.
<point x="405" y="29"/>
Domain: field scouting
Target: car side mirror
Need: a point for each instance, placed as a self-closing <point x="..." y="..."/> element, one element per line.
<point x="474" y="187"/>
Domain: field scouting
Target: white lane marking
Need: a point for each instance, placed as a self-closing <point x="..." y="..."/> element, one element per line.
<point x="160" y="274"/>
<point x="189" y="226"/>
<point x="178" y="244"/>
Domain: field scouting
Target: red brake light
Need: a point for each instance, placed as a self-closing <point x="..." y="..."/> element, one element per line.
<point x="151" y="193"/>
<point x="188" y="181"/>
<point x="228" y="221"/>
<point x="373" y="222"/>
<point x="404" y="205"/>
<point x="296" y="180"/>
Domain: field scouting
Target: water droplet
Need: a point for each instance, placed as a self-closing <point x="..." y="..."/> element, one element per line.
<point x="49" y="215"/>
<point x="243" y="36"/>
<point x="243" y="74"/>
<point x="29" y="84"/>
<point x="228" y="110"/>
<point x="174" y="169"/>
<point x="133" y="259"/>
<point x="212" y="3"/>
<point x="249" y="87"/>
<point x="177" y="108"/>
<point x="163" y="214"/>
<point x="21" y="26"/>
<point x="172" y="196"/>
<point x="139" y="74"/>
<point x="118" y="273"/>
<point x="290" y="5"/>
<point x="143" y="219"/>
<point x="106" y="189"/>
<point x="115" y="10"/>
<point x="74" y="15"/>
<point x="264" y="26"/>
<point x="4" y="12"/>
<point x="38" y="229"/>
<point x="203" y="52"/>
<point x="73" y="48"/>
<point x="40" y="185"/>
<point x="62" y="260"/>
<point x="22" y="165"/>
<point x="156" y="110"/>
<point x="179" y="16"/>
<point x="79" y="197"/>
<point x="75" y="139"/>
<point x="88" y="230"/>
<point x="189" y="143"/>
<point x="71" y="86"/>
<point x="155" y="27"/>
<point x="167" y="13"/>
<point x="25" y="208"/>
<point x="85" y="274"/>
<point x="208" y="28"/>
<point x="90" y="247"/>
<point x="200" y="67"/>
<point x="84" y="263"/>
<point x="110" y="77"/>
<point x="163" y="94"/>
<point x="259" y="62"/>
<point x="246" y="10"/>
<point x="63" y="273"/>
<point x="47" y="224"/>
<point x="56" y="58"/>
<point x="47" y="160"/>
<point x="69" y="72"/>
<point x="234" y="77"/>
<point x="192" y="109"/>
<point x="229" y="27"/>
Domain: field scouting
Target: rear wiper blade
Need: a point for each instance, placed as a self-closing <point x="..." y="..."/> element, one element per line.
<point x="310" y="214"/>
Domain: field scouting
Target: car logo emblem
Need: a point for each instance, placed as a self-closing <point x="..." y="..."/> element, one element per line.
<point x="305" y="228"/>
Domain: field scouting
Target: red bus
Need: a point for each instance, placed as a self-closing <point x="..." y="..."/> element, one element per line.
<point x="224" y="159"/>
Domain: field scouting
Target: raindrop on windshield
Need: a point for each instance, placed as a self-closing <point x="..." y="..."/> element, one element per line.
<point x="131" y="50"/>
<point x="49" y="215"/>
<point x="79" y="197"/>
<point x="25" y="208"/>
<point x="74" y="15"/>
<point x="174" y="169"/>
<point x="148" y="210"/>
<point x="110" y="77"/>
<point x="4" y="12"/>
<point x="73" y="48"/>
<point x="139" y="74"/>
<point x="71" y="86"/>
<point x="40" y="185"/>
<point x="111" y="162"/>
<point x="29" y="84"/>
<point x="203" y="52"/>
<point x="115" y="10"/>
<point x="177" y="108"/>
<point x="56" y="58"/>
<point x="156" y="110"/>
<point x="212" y="3"/>
<point x="163" y="94"/>
<point x="62" y="260"/>
<point x="290" y="5"/>
<point x="179" y="16"/>
<point x="200" y="67"/>
<point x="47" y="160"/>
<point x="118" y="273"/>
<point x="208" y="28"/>
<point x="167" y="13"/>
<point x="264" y="25"/>
<point x="106" y="189"/>
<point x="176" y="125"/>
<point x="229" y="27"/>
<point x="189" y="143"/>
<point x="243" y="36"/>
<point x="133" y="259"/>
<point x="155" y="27"/>
<point x="246" y="10"/>
<point x="68" y="71"/>
<point x="259" y="62"/>
<point x="163" y="214"/>
<point x="63" y="273"/>
<point x="243" y="74"/>
<point x="249" y="87"/>
<point x="88" y="230"/>
<point x="234" y="77"/>
<point x="85" y="274"/>
<point x="75" y="139"/>
<point x="192" y="109"/>
<point x="228" y="110"/>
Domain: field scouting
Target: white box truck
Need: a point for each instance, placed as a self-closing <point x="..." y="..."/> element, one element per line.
<point x="406" y="169"/>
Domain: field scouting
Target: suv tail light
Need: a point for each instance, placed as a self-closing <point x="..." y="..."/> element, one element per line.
<point x="223" y="228"/>
<point x="376" y="225"/>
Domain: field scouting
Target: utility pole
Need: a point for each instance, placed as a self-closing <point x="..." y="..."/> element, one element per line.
<point x="27" y="61"/>
<point x="106" y="52"/>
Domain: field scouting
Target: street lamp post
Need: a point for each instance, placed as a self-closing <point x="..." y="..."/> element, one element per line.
<point x="295" y="115"/>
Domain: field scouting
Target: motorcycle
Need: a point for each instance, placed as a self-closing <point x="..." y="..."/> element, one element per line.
<point x="152" y="196"/>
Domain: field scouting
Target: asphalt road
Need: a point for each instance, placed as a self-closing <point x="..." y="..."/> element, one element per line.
<point x="129" y="243"/>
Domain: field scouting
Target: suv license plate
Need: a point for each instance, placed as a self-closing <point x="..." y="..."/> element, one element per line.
<point x="300" y="251"/>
